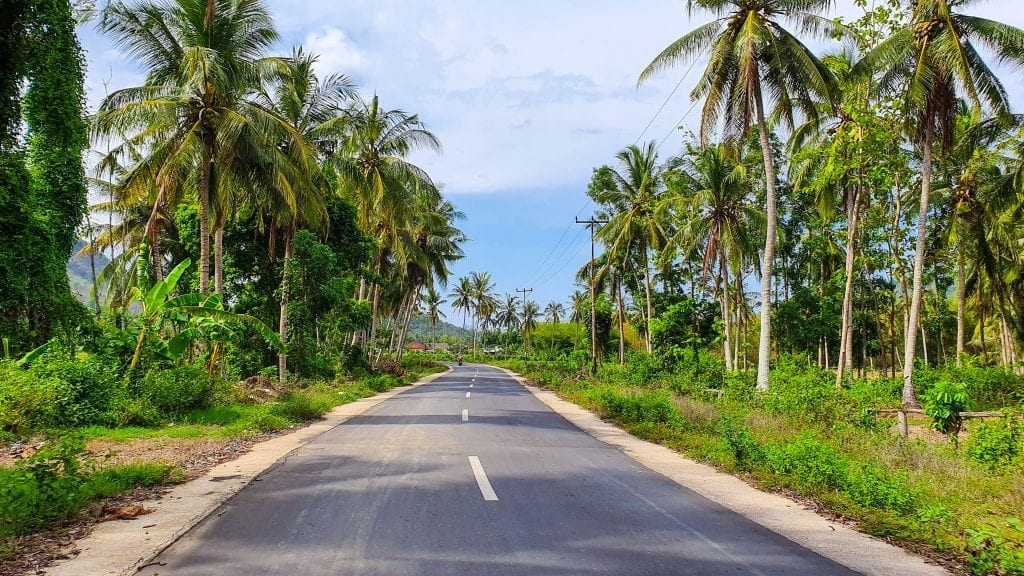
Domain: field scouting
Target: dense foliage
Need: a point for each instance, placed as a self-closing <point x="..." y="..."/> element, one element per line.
<point x="42" y="183"/>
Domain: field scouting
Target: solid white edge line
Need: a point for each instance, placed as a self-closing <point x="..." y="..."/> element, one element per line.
<point x="467" y="394"/>
<point x="465" y="415"/>
<point x="481" y="479"/>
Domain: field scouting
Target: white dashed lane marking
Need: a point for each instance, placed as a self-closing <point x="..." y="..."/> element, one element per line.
<point x="481" y="479"/>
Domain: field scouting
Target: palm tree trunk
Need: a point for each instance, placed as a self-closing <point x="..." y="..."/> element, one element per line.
<point x="910" y="345"/>
<point x="476" y="320"/>
<point x="374" y="307"/>
<point x="846" y="332"/>
<point x="622" y="326"/>
<point x="726" y="313"/>
<point x="405" y="325"/>
<point x="218" y="255"/>
<point x="771" y="217"/>
<point x="204" y="216"/>
<point x="282" y="326"/>
<point x="92" y="263"/>
<point x="153" y="236"/>
<point x="961" y="303"/>
<point x="650" y="308"/>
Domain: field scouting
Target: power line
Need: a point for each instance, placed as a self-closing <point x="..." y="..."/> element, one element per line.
<point x="550" y="252"/>
<point x="555" y="262"/>
<point x="540" y="270"/>
<point x="669" y="97"/>
<point x="565" y="264"/>
<point x="677" y="125"/>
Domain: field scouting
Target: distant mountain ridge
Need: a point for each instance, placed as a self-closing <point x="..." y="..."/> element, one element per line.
<point x="80" y="272"/>
<point x="421" y="330"/>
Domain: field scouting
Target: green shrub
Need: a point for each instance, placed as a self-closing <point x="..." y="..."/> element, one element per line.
<point x="739" y="386"/>
<point x="943" y="402"/>
<point x="997" y="445"/>
<point x="989" y="387"/>
<point x="174" y="391"/>
<point x="652" y="407"/>
<point x="691" y="375"/>
<point x="739" y="442"/>
<point x="989" y="552"/>
<point x="138" y="412"/>
<point x="809" y="463"/>
<point x="59" y="390"/>
<point x="381" y="382"/>
<point x="263" y="419"/>
<point x="806" y="392"/>
<point x="26" y="401"/>
<point x="302" y="406"/>
<point x="872" y="486"/>
<point x="85" y="387"/>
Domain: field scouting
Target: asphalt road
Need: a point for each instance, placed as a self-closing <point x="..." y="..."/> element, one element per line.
<point x="471" y="474"/>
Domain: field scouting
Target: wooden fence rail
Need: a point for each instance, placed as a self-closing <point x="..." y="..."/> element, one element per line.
<point x="901" y="414"/>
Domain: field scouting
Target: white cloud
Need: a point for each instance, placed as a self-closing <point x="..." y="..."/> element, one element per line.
<point x="337" y="52"/>
<point x="527" y="94"/>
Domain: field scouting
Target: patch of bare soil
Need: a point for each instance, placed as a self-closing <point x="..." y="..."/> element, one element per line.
<point x="32" y="554"/>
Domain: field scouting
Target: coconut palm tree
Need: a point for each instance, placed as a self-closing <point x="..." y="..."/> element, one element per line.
<point x="755" y="61"/>
<point x="374" y="173"/>
<point x="295" y="190"/>
<point x="554" y="312"/>
<point x="462" y="298"/>
<point x="531" y="311"/>
<point x="201" y="58"/>
<point x="433" y="301"/>
<point x="635" y="226"/>
<point x="484" y="301"/>
<point x="927" y="64"/>
<point x="716" y="218"/>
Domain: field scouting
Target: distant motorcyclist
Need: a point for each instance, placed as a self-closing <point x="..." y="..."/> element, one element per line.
<point x="459" y="359"/>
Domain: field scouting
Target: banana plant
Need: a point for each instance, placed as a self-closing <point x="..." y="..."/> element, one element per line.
<point x="199" y="317"/>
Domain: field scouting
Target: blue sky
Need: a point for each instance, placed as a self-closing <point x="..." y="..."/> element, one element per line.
<point x="527" y="98"/>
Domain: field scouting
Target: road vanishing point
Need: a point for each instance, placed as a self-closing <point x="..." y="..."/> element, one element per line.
<point x="472" y="474"/>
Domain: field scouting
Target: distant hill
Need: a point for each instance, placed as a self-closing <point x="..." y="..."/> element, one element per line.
<point x="421" y="330"/>
<point x="80" y="272"/>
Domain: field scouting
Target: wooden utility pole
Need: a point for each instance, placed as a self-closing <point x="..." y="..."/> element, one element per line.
<point x="526" y="292"/>
<point x="592" y="223"/>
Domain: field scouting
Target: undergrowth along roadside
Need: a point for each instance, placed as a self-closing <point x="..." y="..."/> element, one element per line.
<point x="961" y="504"/>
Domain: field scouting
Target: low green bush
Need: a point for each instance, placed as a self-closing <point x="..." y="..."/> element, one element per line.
<point x="740" y="442"/>
<point x="872" y="486"/>
<point x="997" y="445"/>
<point x="944" y="401"/>
<point x="26" y="401"/>
<point x="707" y="371"/>
<point x="302" y="406"/>
<point x="807" y="392"/>
<point x="264" y="419"/>
<point x="176" y="390"/>
<point x="381" y="382"/>
<point x="648" y="406"/>
<point x="809" y="463"/>
<point x="85" y="387"/>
